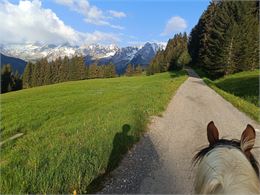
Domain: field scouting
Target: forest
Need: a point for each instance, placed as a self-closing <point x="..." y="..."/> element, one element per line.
<point x="226" y="38"/>
<point x="174" y="57"/>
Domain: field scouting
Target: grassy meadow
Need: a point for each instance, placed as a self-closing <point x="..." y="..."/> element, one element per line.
<point x="240" y="89"/>
<point x="75" y="131"/>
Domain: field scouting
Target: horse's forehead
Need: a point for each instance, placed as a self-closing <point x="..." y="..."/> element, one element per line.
<point x="226" y="150"/>
<point x="225" y="155"/>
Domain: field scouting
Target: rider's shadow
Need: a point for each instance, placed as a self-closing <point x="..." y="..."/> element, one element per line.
<point x="121" y="144"/>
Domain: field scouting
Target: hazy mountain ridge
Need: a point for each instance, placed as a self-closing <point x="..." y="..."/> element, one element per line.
<point x="16" y="63"/>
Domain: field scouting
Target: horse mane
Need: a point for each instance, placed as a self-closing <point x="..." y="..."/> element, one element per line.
<point x="224" y="142"/>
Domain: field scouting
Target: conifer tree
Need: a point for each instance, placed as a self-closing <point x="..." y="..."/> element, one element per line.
<point x="10" y="81"/>
<point x="27" y="75"/>
<point x="18" y="84"/>
<point x="81" y="67"/>
<point x="6" y="78"/>
<point x="129" y="70"/>
<point x="93" y="71"/>
<point x="138" y="70"/>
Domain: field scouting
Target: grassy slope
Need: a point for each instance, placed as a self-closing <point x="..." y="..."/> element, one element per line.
<point x="240" y="89"/>
<point x="70" y="128"/>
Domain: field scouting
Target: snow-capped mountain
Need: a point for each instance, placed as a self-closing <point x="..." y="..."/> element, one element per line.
<point x="103" y="54"/>
<point x="32" y="52"/>
<point x="144" y="55"/>
<point x="98" y="51"/>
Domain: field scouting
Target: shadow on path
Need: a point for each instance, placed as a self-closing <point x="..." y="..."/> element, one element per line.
<point x="121" y="143"/>
<point x="136" y="166"/>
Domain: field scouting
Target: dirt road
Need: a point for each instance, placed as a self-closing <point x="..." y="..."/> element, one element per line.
<point x="161" y="161"/>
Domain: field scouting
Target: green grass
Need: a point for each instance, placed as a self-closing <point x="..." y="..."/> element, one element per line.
<point x="243" y="84"/>
<point x="240" y="89"/>
<point x="75" y="131"/>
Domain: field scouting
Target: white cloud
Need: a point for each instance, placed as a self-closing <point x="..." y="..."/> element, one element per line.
<point x="92" y="14"/>
<point x="174" y="25"/>
<point x="98" y="37"/>
<point x="117" y="14"/>
<point x="29" y="22"/>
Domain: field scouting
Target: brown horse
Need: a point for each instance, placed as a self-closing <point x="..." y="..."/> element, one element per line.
<point x="227" y="166"/>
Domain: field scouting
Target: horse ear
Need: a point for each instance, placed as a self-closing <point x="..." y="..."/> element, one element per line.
<point x="247" y="139"/>
<point x="212" y="133"/>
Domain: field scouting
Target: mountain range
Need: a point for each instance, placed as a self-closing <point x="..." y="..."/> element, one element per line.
<point x="101" y="54"/>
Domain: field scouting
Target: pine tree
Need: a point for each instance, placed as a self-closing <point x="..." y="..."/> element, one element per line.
<point x="100" y="71"/>
<point x="138" y="70"/>
<point x="35" y="74"/>
<point x="73" y="72"/>
<point x="6" y="78"/>
<point x="65" y="75"/>
<point x="249" y="35"/>
<point x="43" y="63"/>
<point x="113" y="70"/>
<point x="93" y="71"/>
<point x="129" y="70"/>
<point x="48" y="75"/>
<point x="18" y="84"/>
<point x="81" y="67"/>
<point x="27" y="75"/>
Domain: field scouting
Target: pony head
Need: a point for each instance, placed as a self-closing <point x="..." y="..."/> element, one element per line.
<point x="224" y="163"/>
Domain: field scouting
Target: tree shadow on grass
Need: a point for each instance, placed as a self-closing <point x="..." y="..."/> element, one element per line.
<point x="244" y="87"/>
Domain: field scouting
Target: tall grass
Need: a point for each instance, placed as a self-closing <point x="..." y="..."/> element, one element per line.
<point x="75" y="131"/>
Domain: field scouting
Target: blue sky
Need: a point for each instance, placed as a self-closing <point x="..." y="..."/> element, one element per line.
<point x="124" y="22"/>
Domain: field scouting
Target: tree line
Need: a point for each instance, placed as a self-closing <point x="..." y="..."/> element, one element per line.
<point x="175" y="55"/>
<point x="60" y="70"/>
<point x="132" y="70"/>
<point x="44" y="72"/>
<point x="226" y="38"/>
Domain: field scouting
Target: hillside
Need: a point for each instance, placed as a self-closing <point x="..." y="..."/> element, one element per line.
<point x="17" y="64"/>
<point x="74" y="131"/>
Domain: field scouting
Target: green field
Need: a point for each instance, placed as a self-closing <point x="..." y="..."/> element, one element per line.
<point x="75" y="131"/>
<point x="240" y="89"/>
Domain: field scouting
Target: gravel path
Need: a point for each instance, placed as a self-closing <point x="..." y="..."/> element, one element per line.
<point x="161" y="161"/>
